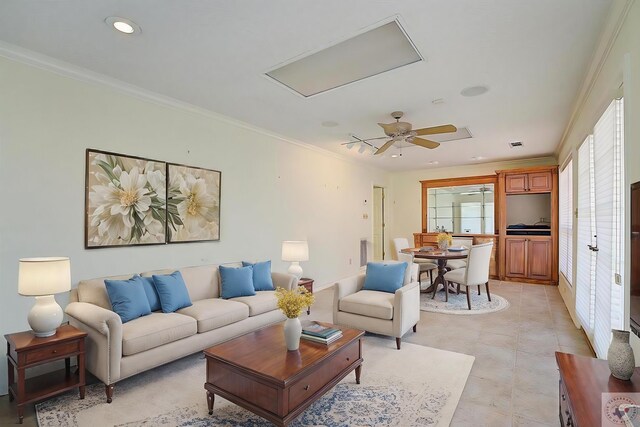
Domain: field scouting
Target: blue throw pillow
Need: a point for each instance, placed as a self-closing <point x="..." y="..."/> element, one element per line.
<point x="236" y="282"/>
<point x="384" y="277"/>
<point x="172" y="292"/>
<point x="262" y="280"/>
<point x="128" y="298"/>
<point x="152" y="294"/>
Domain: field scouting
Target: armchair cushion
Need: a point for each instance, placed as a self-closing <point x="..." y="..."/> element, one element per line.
<point x="384" y="277"/>
<point x="456" y="276"/>
<point x="369" y="303"/>
<point x="455" y="264"/>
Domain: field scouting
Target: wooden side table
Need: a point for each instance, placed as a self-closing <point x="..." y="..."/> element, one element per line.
<point x="308" y="284"/>
<point x="25" y="350"/>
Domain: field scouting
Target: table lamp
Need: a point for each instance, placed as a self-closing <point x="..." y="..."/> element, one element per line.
<point x="43" y="277"/>
<point x="295" y="251"/>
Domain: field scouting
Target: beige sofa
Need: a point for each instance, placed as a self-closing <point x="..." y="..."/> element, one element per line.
<point x="115" y="351"/>
<point x="391" y="314"/>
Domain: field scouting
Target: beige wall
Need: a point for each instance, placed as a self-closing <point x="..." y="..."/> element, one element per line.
<point x="272" y="190"/>
<point x="621" y="66"/>
<point x="407" y="197"/>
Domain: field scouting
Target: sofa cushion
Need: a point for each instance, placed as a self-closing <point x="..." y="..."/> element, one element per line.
<point x="214" y="313"/>
<point x="369" y="303"/>
<point x="384" y="277"/>
<point x="150" y="291"/>
<point x="94" y="291"/>
<point x="172" y="291"/>
<point x="261" y="302"/>
<point x="154" y="330"/>
<point x="202" y="281"/>
<point x="128" y="298"/>
<point x="262" y="280"/>
<point x="236" y="282"/>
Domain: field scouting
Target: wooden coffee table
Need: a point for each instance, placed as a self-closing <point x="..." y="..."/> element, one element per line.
<point x="257" y="372"/>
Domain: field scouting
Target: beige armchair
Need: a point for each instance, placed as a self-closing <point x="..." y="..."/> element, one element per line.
<point x="385" y="313"/>
<point x="476" y="273"/>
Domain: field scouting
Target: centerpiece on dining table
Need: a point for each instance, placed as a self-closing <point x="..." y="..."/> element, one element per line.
<point x="291" y="303"/>
<point x="444" y="241"/>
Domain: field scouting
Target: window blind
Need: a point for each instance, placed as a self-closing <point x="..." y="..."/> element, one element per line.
<point x="566" y="222"/>
<point x="585" y="274"/>
<point x="608" y="200"/>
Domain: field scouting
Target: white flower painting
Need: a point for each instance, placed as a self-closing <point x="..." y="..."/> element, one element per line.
<point x="193" y="205"/>
<point x="125" y="200"/>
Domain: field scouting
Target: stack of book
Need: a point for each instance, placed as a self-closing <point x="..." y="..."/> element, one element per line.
<point x="314" y="331"/>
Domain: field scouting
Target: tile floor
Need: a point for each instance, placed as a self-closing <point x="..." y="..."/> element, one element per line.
<point x="514" y="380"/>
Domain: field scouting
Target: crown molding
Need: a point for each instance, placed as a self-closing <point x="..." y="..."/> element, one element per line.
<point x="617" y="16"/>
<point x="66" y="69"/>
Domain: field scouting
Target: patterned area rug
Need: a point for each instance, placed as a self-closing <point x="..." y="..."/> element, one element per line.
<point x="458" y="303"/>
<point x="416" y="386"/>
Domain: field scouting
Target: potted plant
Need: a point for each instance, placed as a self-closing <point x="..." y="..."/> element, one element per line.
<point x="444" y="241"/>
<point x="292" y="302"/>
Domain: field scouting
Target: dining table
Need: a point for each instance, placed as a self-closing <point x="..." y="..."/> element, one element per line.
<point x="441" y="256"/>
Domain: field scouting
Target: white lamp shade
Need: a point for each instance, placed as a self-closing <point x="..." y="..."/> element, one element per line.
<point x="44" y="276"/>
<point x="295" y="250"/>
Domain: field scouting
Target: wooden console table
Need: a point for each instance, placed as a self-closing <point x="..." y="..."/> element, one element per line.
<point x="582" y="382"/>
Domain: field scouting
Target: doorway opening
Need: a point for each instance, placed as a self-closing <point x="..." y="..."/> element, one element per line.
<point x="378" y="223"/>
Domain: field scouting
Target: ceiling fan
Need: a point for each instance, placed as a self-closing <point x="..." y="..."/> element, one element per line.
<point x="402" y="131"/>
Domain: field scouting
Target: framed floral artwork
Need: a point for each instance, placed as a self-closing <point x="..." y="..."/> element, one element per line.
<point x="125" y="200"/>
<point x="193" y="204"/>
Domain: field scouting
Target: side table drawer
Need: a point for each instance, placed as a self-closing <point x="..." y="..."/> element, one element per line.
<point x="566" y="414"/>
<point x="306" y="387"/>
<point x="51" y="352"/>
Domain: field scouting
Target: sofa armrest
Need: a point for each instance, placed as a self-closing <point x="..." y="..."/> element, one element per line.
<point x="283" y="280"/>
<point x="104" y="340"/>
<point x="406" y="308"/>
<point x="346" y="287"/>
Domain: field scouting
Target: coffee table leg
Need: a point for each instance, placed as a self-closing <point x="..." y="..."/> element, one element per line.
<point x="358" y="369"/>
<point x="210" y="398"/>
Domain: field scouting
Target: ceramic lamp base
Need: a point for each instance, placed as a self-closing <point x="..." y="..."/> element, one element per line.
<point x="45" y="316"/>
<point x="295" y="269"/>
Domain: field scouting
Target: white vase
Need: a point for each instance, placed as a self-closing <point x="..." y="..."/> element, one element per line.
<point x="292" y="333"/>
<point x="620" y="355"/>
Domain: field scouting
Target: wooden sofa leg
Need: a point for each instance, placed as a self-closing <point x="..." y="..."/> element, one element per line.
<point x="415" y="327"/>
<point x="398" y="340"/>
<point x="108" y="389"/>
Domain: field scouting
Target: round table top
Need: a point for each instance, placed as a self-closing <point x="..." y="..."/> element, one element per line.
<point x="436" y="254"/>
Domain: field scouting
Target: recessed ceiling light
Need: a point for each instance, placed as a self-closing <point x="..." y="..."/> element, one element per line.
<point x="329" y="124"/>
<point x="438" y="101"/>
<point x="477" y="158"/>
<point x="474" y="91"/>
<point x="123" y="25"/>
<point x="433" y="162"/>
<point x="394" y="156"/>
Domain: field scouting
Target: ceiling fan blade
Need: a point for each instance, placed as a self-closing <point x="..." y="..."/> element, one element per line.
<point x="385" y="147"/>
<point x="436" y="129"/>
<point x="424" y="143"/>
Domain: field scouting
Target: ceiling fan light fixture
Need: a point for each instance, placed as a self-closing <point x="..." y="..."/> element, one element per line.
<point x="362" y="148"/>
<point x="474" y="91"/>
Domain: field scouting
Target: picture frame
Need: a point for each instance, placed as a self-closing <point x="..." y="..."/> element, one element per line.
<point x="125" y="200"/>
<point x="193" y="204"/>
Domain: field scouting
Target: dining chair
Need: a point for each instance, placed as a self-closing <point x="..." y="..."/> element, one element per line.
<point x="476" y="273"/>
<point x="424" y="265"/>
<point x="467" y="242"/>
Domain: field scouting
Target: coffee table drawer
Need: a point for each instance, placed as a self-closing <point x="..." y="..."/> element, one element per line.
<point x="307" y="387"/>
<point x="53" y="351"/>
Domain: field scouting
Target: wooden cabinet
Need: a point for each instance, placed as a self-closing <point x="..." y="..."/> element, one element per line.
<point x="534" y="182"/>
<point x="528" y="258"/>
<point x="516" y="262"/>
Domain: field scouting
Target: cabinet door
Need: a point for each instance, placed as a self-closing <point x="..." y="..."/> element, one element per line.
<point x="540" y="182"/>
<point x="516" y="183"/>
<point x="516" y="257"/>
<point x="539" y="259"/>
